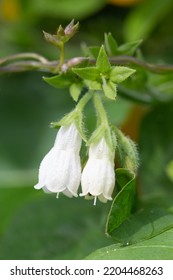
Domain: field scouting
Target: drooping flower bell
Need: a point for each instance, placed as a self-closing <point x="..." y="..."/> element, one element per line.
<point x="98" y="177"/>
<point x="60" y="169"/>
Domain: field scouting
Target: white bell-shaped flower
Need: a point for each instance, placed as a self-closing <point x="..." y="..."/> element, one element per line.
<point x="98" y="176"/>
<point x="60" y="169"/>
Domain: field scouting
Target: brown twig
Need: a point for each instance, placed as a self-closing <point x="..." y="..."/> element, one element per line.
<point x="33" y="61"/>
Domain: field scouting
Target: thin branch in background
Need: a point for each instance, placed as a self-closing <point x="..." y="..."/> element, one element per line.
<point x="23" y="56"/>
<point x="40" y="63"/>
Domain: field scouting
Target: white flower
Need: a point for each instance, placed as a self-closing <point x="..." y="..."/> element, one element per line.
<point x="98" y="177"/>
<point x="60" y="169"/>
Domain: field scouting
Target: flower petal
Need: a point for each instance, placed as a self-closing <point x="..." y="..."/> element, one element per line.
<point x="68" y="138"/>
<point x="99" y="150"/>
<point x="98" y="176"/>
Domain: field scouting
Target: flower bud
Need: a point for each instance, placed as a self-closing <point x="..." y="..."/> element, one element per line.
<point x="71" y="29"/>
<point x="63" y="35"/>
<point x="127" y="152"/>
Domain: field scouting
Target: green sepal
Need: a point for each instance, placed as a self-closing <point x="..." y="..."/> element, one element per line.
<point x="75" y="90"/>
<point x="103" y="132"/>
<point x="97" y="134"/>
<point x="52" y="39"/>
<point x="79" y="124"/>
<point x="87" y="73"/>
<point x="66" y="120"/>
<point x="123" y="202"/>
<point x="102" y="62"/>
<point x="120" y="73"/>
<point x="110" y="90"/>
<point x="61" y="81"/>
<point x="60" y="31"/>
<point x="75" y="117"/>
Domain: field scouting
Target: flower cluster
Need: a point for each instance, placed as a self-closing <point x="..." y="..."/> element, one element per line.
<point x="60" y="170"/>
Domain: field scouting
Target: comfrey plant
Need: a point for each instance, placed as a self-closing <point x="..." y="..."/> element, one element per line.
<point x="62" y="170"/>
<point x="95" y="160"/>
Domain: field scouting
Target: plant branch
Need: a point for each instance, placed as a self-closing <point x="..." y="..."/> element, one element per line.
<point x="155" y="68"/>
<point x="33" y="61"/>
<point x="23" y="56"/>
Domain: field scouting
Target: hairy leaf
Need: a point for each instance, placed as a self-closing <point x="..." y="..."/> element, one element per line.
<point x="120" y="73"/>
<point x="87" y="73"/>
<point x="102" y="62"/>
<point x="60" y="81"/>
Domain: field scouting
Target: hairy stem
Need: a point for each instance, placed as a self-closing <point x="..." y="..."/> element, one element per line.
<point x="102" y="116"/>
<point x="83" y="101"/>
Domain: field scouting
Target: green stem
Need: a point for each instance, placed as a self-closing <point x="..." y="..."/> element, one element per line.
<point x="103" y="128"/>
<point x="102" y="116"/>
<point x="83" y="101"/>
<point x="61" y="59"/>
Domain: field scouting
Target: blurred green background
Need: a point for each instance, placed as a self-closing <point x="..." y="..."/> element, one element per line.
<point x="34" y="225"/>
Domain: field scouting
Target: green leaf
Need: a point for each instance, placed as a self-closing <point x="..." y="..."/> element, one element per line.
<point x="75" y="91"/>
<point x="60" y="81"/>
<point x="111" y="44"/>
<point x="110" y="90"/>
<point x="129" y="48"/>
<point x="136" y="25"/>
<point x="157" y="248"/>
<point x="122" y="204"/>
<point x="87" y="73"/>
<point x="120" y="73"/>
<point x="147" y="222"/>
<point x="102" y="62"/>
<point x="126" y="49"/>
